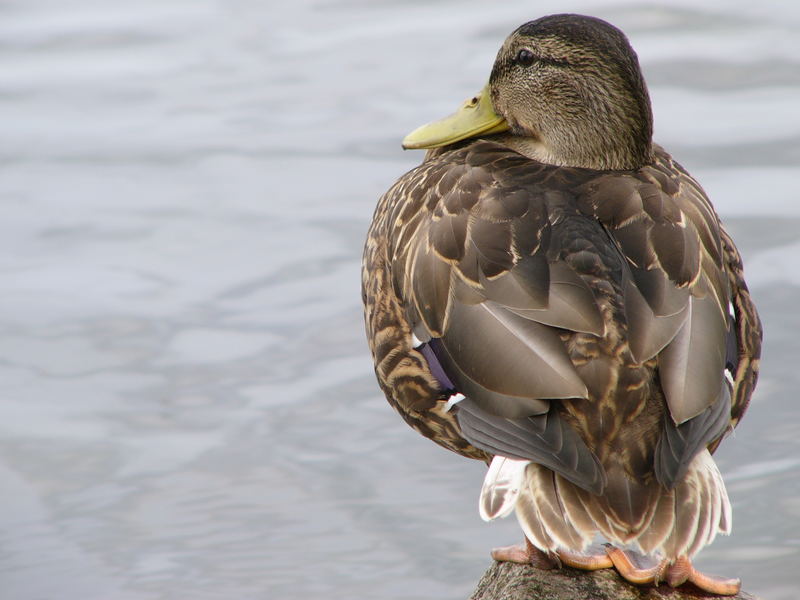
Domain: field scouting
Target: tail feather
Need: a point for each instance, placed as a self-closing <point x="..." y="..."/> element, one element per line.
<point x="661" y="525"/>
<point x="702" y="508"/>
<point x="597" y="513"/>
<point x="542" y="483"/>
<point x="501" y="487"/>
<point x="704" y="519"/>
<point x="574" y="508"/>
<point x="528" y="518"/>
<point x="556" y="514"/>
<point x="630" y="504"/>
<point x="686" y="518"/>
<point x="726" y="518"/>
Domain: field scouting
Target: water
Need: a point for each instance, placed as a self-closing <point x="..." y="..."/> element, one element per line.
<point x="187" y="406"/>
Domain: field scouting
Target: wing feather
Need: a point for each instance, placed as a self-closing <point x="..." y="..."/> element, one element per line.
<point x="508" y="354"/>
<point x="691" y="366"/>
<point x="501" y="258"/>
<point x="678" y="444"/>
<point x="544" y="439"/>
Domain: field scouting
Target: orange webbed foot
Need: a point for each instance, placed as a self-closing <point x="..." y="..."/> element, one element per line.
<point x="526" y="554"/>
<point x="643" y="570"/>
<point x="682" y="571"/>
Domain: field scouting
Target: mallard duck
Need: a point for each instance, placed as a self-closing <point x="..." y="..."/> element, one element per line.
<point x="550" y="292"/>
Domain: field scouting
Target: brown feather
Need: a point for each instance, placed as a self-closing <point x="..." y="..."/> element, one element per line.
<point x="590" y="306"/>
<point x="691" y="365"/>
<point x="542" y="486"/>
<point x="661" y="524"/>
<point x="583" y="310"/>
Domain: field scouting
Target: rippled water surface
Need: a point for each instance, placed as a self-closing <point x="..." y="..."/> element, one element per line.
<point x="187" y="405"/>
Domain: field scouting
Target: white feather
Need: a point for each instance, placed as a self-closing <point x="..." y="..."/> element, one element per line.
<point x="501" y="487"/>
<point x="452" y="401"/>
<point x="725" y="519"/>
<point x="415" y="341"/>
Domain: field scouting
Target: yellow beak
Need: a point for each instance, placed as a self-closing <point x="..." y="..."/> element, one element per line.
<point x="475" y="117"/>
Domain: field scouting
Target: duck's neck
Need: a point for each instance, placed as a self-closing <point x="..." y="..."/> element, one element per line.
<point x="530" y="147"/>
<point x="536" y="149"/>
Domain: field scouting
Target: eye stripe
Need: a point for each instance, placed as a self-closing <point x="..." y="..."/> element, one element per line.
<point x="526" y="58"/>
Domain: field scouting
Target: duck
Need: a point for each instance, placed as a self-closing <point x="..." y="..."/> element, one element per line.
<point x="551" y="293"/>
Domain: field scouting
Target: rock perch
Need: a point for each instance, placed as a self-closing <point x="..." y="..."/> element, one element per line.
<point x="512" y="581"/>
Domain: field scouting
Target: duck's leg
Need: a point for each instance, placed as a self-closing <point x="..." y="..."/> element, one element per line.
<point x="632" y="566"/>
<point x="592" y="560"/>
<point x="529" y="554"/>
<point x="643" y="570"/>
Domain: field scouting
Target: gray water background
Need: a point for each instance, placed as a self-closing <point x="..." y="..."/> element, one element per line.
<point x="187" y="405"/>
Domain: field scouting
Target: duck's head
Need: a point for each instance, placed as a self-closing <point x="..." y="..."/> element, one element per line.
<point x="564" y="89"/>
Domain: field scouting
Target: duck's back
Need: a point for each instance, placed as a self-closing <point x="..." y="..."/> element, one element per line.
<point x="583" y="315"/>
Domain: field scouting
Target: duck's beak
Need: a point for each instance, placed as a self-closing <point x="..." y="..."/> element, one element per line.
<point x="475" y="117"/>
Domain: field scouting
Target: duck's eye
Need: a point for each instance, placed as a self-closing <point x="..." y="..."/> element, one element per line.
<point x="525" y="57"/>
